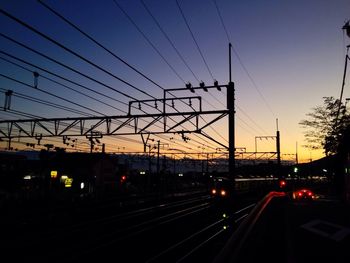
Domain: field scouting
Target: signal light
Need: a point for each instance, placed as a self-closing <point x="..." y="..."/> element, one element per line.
<point x="122" y="179"/>
<point x="282" y="184"/>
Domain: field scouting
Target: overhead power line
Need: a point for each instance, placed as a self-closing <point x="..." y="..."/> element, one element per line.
<point x="152" y="45"/>
<point x="58" y="76"/>
<point x="243" y="66"/>
<point x="169" y="40"/>
<point x="55" y="62"/>
<point x="76" y="54"/>
<point x="65" y="66"/>
<point x="46" y="103"/>
<point x="182" y="58"/>
<point x="222" y="21"/>
<point x="253" y="82"/>
<point x="240" y="60"/>
<point x="257" y="125"/>
<point x="98" y="43"/>
<point x="63" y="85"/>
<point x="65" y="48"/>
<point x="42" y="102"/>
<point x="49" y="93"/>
<point x="194" y="39"/>
<point x="149" y="41"/>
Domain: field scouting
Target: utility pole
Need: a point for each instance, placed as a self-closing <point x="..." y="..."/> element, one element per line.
<point x="158" y="147"/>
<point x="231" y="121"/>
<point x="346" y="28"/>
<point x="207" y="164"/>
<point x="278" y="146"/>
<point x="158" y="154"/>
<point x="93" y="136"/>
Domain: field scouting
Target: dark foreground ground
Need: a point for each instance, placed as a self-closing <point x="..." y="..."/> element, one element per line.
<point x="296" y="231"/>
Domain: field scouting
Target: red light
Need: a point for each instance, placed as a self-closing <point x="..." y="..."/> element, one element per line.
<point x="282" y="183"/>
<point x="300" y="194"/>
<point x="309" y="193"/>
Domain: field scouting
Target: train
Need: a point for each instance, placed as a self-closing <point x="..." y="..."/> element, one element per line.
<point x="224" y="187"/>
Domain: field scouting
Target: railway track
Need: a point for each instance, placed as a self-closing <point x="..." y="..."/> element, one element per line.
<point x="174" y="231"/>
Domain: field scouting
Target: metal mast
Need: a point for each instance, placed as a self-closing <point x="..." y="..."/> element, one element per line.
<point x="231" y="120"/>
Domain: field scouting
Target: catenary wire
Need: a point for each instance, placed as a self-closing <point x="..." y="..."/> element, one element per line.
<point x="48" y="93"/>
<point x="76" y="54"/>
<point x="98" y="43"/>
<point x="149" y="42"/>
<point x="194" y="39"/>
<point x="58" y="76"/>
<point x="153" y="46"/>
<point x="169" y="40"/>
<point x="63" y="85"/>
<point x="55" y="42"/>
<point x="68" y="80"/>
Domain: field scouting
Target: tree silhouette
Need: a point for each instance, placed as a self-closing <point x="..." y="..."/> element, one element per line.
<point x="325" y="129"/>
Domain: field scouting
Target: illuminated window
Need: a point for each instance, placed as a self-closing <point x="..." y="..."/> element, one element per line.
<point x="53" y="174"/>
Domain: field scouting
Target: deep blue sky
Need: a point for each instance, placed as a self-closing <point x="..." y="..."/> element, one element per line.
<point x="293" y="51"/>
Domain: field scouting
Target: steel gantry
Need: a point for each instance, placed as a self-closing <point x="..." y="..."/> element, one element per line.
<point x="168" y="119"/>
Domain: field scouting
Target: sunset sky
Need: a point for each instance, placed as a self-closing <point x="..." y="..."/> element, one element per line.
<point x="287" y="56"/>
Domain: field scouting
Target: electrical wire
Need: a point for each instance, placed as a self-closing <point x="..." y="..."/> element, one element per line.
<point x="75" y="54"/>
<point x="46" y="103"/>
<point x="194" y="39"/>
<point x="149" y="41"/>
<point x="60" y="45"/>
<point x="177" y="51"/>
<point x="257" y="125"/>
<point x="48" y="93"/>
<point x="58" y="76"/>
<point x="43" y="54"/>
<point x="169" y="40"/>
<point x="29" y="115"/>
<point x="63" y="85"/>
<point x="62" y="64"/>
<point x="97" y="43"/>
<point x="243" y="66"/>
